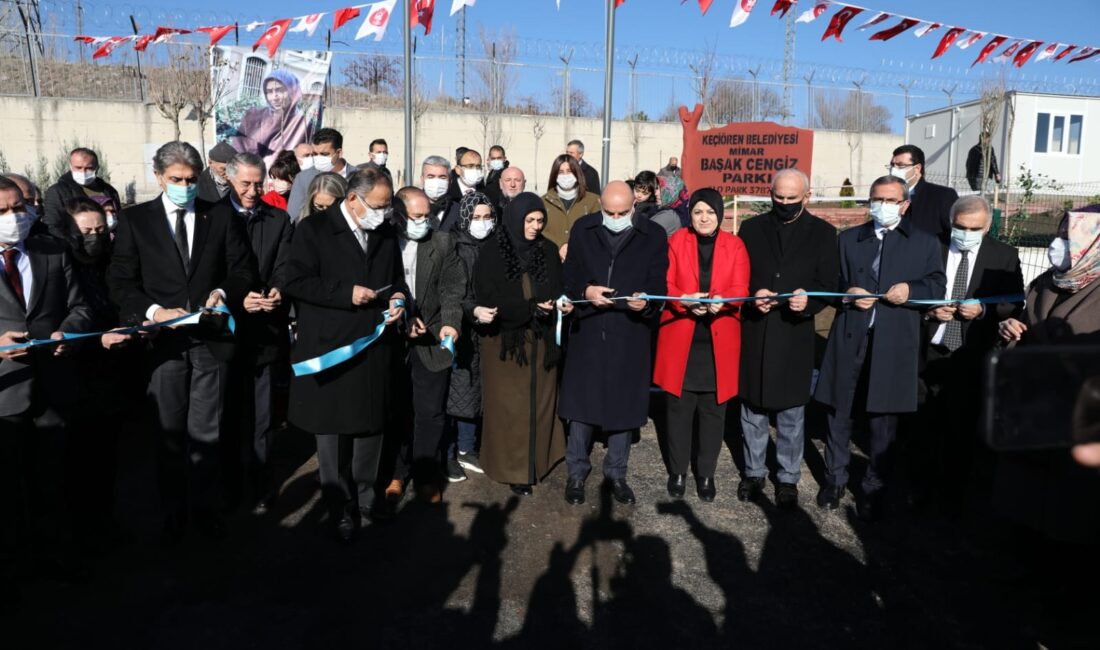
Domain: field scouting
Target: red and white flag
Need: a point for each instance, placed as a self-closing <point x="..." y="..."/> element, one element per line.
<point x="839" y="21"/>
<point x="459" y="5"/>
<point x="947" y="40"/>
<point x="216" y="33"/>
<point x="109" y="46"/>
<point x="378" y="17"/>
<point x="741" y="12"/>
<point x="89" y="39"/>
<point x="1008" y="52"/>
<point x="252" y="26"/>
<point x="879" y="17"/>
<point x="272" y="36"/>
<point x="704" y="5"/>
<point x="925" y="28"/>
<point x="162" y="35"/>
<point x="887" y="34"/>
<point x="420" y="13"/>
<point x="970" y="39"/>
<point x="344" y="16"/>
<point x="813" y="13"/>
<point x="1047" y="52"/>
<point x="307" y="24"/>
<point x="1086" y="53"/>
<point x="1063" y="53"/>
<point x="988" y="49"/>
<point x="782" y="7"/>
<point x="1026" y="53"/>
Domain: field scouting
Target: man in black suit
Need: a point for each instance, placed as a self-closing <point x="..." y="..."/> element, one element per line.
<point x="40" y="298"/>
<point x="929" y="204"/>
<point x="575" y="149"/>
<point x="344" y="272"/>
<point x="955" y="340"/>
<point x="379" y="156"/>
<point x="263" y="343"/>
<point x="81" y="181"/>
<point x="174" y="255"/>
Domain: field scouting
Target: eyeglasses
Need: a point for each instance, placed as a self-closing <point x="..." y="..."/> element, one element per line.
<point x="471" y="166"/>
<point x="901" y="166"/>
<point x="888" y="201"/>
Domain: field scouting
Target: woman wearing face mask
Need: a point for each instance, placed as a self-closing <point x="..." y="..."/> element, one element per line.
<point x="518" y="276"/>
<point x="282" y="174"/>
<point x="567" y="200"/>
<point x="1045" y="490"/>
<point x="325" y="190"/>
<point x="472" y="230"/>
<point x="699" y="345"/>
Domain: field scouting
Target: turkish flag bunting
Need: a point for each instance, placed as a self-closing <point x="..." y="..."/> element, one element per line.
<point x="927" y="27"/>
<point x="216" y="33"/>
<point x="307" y="24"/>
<point x="970" y="39"/>
<point x="988" y="49"/>
<point x="1008" y="52"/>
<point x="887" y="34"/>
<point x="1063" y="53"/>
<point x="1026" y="53"/>
<point x="378" y="17"/>
<point x="160" y="36"/>
<point x="1086" y="53"/>
<point x="782" y="7"/>
<point x="840" y="21"/>
<point x="88" y="39"/>
<point x="813" y="14"/>
<point x="1047" y="52"/>
<point x="704" y="5"/>
<point x="109" y="46"/>
<point x="879" y="17"/>
<point x="272" y="36"/>
<point x="343" y="17"/>
<point x="619" y="3"/>
<point x="420" y="13"/>
<point x="947" y="40"/>
<point x="741" y="12"/>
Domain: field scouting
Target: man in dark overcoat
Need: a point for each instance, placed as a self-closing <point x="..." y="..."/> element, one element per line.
<point x="790" y="251"/>
<point x="871" y="361"/>
<point x="608" y="361"/>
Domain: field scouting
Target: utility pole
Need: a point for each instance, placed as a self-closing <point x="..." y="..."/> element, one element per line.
<point x="608" y="77"/>
<point x="565" y="58"/>
<point x="460" y="45"/>
<point x="80" y="25"/>
<point x="406" y="34"/>
<point x="788" y="68"/>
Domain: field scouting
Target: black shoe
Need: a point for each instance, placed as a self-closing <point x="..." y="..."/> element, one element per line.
<point x="210" y="526"/>
<point x="263" y="505"/>
<point x="704" y="487"/>
<point x="175" y="527"/>
<point x="345" y="529"/>
<point x="574" y="491"/>
<point x="454" y="471"/>
<point x="750" y="488"/>
<point x="828" y="497"/>
<point x="621" y="491"/>
<point x="869" y="508"/>
<point x="470" y="461"/>
<point x="677" y="485"/>
<point x="522" y="490"/>
<point x="786" y="496"/>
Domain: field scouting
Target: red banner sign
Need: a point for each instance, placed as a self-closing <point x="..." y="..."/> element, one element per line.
<point x="741" y="158"/>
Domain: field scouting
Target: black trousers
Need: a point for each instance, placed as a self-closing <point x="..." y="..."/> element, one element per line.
<point x="682" y="412"/>
<point x="249" y="435"/>
<point x="419" y="458"/>
<point x="348" y="468"/>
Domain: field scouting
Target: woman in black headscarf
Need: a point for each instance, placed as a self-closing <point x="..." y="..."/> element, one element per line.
<point x="518" y="277"/>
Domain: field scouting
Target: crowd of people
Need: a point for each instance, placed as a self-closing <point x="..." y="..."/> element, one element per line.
<point x="508" y="332"/>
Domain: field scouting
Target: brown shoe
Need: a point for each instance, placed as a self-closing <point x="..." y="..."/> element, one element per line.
<point x="395" y="490"/>
<point x="429" y="493"/>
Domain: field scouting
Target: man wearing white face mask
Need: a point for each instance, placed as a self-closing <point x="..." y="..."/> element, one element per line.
<point x="81" y="181"/>
<point x="955" y="339"/>
<point x="345" y="278"/>
<point x="870" y="367"/>
<point x="469" y="175"/>
<point x="435" y="180"/>
<point x="327" y="155"/>
<point x="929" y="204"/>
<point x="379" y="156"/>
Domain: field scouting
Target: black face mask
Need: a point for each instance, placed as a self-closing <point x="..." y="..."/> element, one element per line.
<point x="786" y="211"/>
<point x="94" y="245"/>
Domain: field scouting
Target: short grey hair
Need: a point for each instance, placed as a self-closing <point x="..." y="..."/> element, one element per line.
<point x="578" y="143"/>
<point x="177" y="152"/>
<point x="891" y="180"/>
<point x="364" y="181"/>
<point x="971" y="204"/>
<point x="434" y="161"/>
<point x="791" y="171"/>
<point x="245" y="160"/>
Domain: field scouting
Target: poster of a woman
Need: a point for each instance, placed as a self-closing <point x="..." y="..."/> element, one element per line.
<point x="280" y="125"/>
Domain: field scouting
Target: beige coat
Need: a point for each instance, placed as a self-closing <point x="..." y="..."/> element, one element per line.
<point x="559" y="221"/>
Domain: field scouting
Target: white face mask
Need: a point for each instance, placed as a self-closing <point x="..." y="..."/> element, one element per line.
<point x="898" y="172"/>
<point x="417" y="230"/>
<point x="496" y="165"/>
<point x="566" y="181"/>
<point x="1058" y="254"/>
<point x="380" y="158"/>
<point x="83" y="177"/>
<point x="322" y="163"/>
<point x="472" y="176"/>
<point x="372" y="218"/>
<point x="435" y="187"/>
<point x="280" y="186"/>
<point x="112" y="222"/>
<point x="481" y="229"/>
<point x="617" y="224"/>
<point x="966" y="240"/>
<point x="307" y="163"/>
<point x="885" y="214"/>
<point x="15" y="227"/>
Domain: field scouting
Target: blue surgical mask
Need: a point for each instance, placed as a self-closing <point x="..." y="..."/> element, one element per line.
<point x="181" y="195"/>
<point x="966" y="240"/>
<point x="417" y="230"/>
<point x="885" y="214"/>
<point x="617" y="225"/>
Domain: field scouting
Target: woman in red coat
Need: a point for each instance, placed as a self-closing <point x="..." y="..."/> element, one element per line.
<point x="699" y="345"/>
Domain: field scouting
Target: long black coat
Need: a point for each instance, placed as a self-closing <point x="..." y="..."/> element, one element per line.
<point x="440" y="289"/>
<point x="930" y="208"/>
<point x="326" y="261"/>
<point x="464" y="396"/>
<point x="909" y="255"/>
<point x="777" y="348"/>
<point x="65" y="189"/>
<point x="608" y="358"/>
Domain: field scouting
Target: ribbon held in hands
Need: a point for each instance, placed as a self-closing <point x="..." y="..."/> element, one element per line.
<point x="343" y="353"/>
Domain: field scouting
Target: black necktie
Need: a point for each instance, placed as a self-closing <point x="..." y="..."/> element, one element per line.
<point x="181" y="238"/>
<point x="876" y="266"/>
<point x="952" y="336"/>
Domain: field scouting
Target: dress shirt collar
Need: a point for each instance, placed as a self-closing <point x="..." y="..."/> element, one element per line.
<point x="170" y="208"/>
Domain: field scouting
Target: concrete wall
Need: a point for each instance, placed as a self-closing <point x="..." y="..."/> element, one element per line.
<point x="126" y="134"/>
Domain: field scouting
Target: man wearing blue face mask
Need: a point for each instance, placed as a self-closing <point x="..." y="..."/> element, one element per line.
<point x="870" y="367"/>
<point x="955" y="339"/>
<point x="172" y="256"/>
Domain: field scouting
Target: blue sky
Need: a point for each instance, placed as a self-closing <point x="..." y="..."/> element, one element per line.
<point x="661" y="31"/>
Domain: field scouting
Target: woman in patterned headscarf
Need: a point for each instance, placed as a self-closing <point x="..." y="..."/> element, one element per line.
<point x="280" y="125"/>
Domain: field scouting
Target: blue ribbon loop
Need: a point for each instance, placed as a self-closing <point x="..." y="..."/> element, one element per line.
<point x="344" y="353"/>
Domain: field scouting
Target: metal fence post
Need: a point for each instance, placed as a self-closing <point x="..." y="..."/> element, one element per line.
<point x="36" y="87"/>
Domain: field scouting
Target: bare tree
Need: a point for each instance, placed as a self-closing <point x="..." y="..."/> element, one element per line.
<point x="993" y="101"/>
<point x="579" y="103"/>
<point x="731" y="100"/>
<point x="210" y="87"/>
<point x="378" y="74"/>
<point x="845" y="110"/>
<point x="497" y="74"/>
<point x="704" y="70"/>
<point x="538" y="129"/>
<point x="171" y="85"/>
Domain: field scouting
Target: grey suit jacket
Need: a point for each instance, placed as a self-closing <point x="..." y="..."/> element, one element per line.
<point x="56" y="304"/>
<point x="440" y="290"/>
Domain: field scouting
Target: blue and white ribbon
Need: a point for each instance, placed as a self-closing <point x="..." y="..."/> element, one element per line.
<point x="344" y="353"/>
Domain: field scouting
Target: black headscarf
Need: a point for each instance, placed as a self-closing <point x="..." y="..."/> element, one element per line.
<point x="711" y="197"/>
<point x="521" y="254"/>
